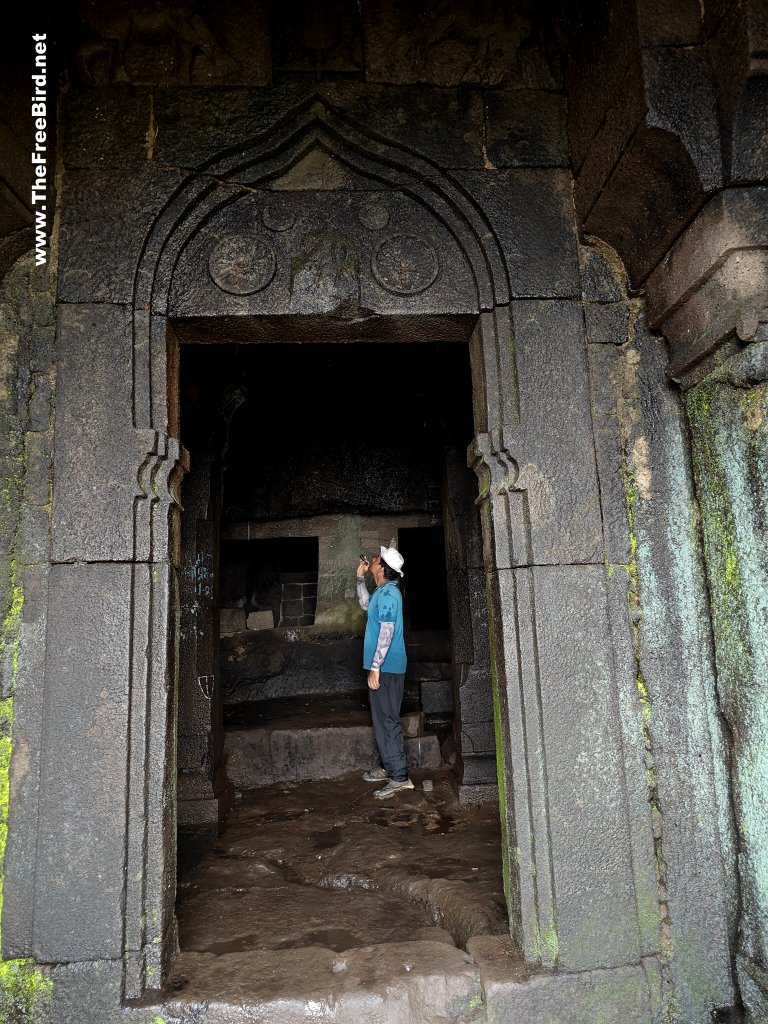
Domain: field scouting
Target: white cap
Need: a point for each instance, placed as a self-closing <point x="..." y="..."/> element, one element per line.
<point x="393" y="558"/>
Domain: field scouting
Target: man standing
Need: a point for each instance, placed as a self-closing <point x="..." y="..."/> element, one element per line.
<point x="384" y="658"/>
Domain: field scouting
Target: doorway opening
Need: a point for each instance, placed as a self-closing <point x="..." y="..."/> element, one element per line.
<point x="303" y="457"/>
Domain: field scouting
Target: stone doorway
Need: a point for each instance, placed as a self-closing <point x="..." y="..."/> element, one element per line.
<point x="301" y="457"/>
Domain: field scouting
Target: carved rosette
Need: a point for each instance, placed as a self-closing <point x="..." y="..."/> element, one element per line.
<point x="405" y="264"/>
<point x="242" y="264"/>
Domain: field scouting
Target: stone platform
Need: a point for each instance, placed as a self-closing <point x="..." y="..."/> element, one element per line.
<point x="318" y="740"/>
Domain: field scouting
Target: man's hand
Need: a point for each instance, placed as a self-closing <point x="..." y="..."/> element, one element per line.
<point x="373" y="679"/>
<point x="362" y="568"/>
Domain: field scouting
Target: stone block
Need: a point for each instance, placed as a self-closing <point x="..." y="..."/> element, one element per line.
<point x="98" y="452"/>
<point x="423" y="752"/>
<point x="526" y="129"/>
<point x="450" y="47"/>
<point x="231" y="620"/>
<point x="105" y="217"/>
<point x="555" y="446"/>
<point x="737" y="286"/>
<point x="87" y="992"/>
<point x="197" y="812"/>
<point x="481" y="793"/>
<point x="103" y="127"/>
<point x="40" y="404"/>
<point x="38" y="479"/>
<point x="736" y="218"/>
<point x="33" y="538"/>
<point x="436" y="695"/>
<point x="477" y="737"/>
<point x="531" y="212"/>
<point x="444" y="125"/>
<point x="290" y="608"/>
<point x="479" y="768"/>
<point x="514" y="993"/>
<point x="248" y="758"/>
<point x="412" y="724"/>
<point x="83" y="777"/>
<point x="260" y="620"/>
<point x="400" y="260"/>
<point x="572" y="682"/>
<point x="299" y="755"/>
<point x="603" y="278"/>
<point x="607" y="323"/>
<point x="609" y="369"/>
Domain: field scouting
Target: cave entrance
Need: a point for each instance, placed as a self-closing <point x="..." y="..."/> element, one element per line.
<point x="302" y="457"/>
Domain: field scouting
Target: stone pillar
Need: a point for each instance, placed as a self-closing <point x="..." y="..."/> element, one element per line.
<point x="470" y="655"/>
<point x="569" y="872"/>
<point x="202" y="794"/>
<point x="710" y="298"/>
<point x="728" y="413"/>
<point x="102" y="862"/>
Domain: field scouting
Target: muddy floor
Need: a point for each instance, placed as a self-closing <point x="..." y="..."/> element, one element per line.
<point x="319" y="891"/>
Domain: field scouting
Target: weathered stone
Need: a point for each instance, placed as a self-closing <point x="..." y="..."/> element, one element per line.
<point x="729" y="451"/>
<point x="260" y="620"/>
<point x="596" y="915"/>
<point x="526" y="129"/>
<point x="479" y="793"/>
<point x="87" y="991"/>
<point x="40" y="405"/>
<point x="33" y="543"/>
<point x="606" y="366"/>
<point x="449" y="47"/>
<point x="436" y="695"/>
<point x="738" y="286"/>
<point x="512" y="993"/>
<point x="423" y="752"/>
<point x="101" y="240"/>
<point x="677" y="674"/>
<point x="607" y="323"/>
<point x="101" y="127"/>
<point x="554" y="451"/>
<point x="413" y="724"/>
<point x="38" y="478"/>
<point x="603" y="278"/>
<point x="331" y="258"/>
<point x="531" y="212"/>
<point x="83" y="783"/>
<point x="299" y="754"/>
<point x="99" y="455"/>
<point x="736" y="218"/>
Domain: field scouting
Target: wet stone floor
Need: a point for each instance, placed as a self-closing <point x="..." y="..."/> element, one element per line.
<point x="318" y="895"/>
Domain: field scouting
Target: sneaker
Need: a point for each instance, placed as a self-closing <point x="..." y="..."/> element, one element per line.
<point x="392" y="787"/>
<point x="375" y="775"/>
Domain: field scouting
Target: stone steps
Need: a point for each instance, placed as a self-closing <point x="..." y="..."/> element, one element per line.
<point x="324" y="748"/>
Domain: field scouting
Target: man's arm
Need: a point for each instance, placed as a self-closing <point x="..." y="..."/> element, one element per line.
<point x="386" y="632"/>
<point x="363" y="596"/>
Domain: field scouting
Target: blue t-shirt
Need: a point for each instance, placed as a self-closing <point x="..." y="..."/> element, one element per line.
<point x="386" y="605"/>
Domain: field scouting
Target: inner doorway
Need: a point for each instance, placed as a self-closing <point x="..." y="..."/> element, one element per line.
<point x="301" y="458"/>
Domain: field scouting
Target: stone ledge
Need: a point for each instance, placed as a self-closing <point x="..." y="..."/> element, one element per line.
<point x="736" y="218"/>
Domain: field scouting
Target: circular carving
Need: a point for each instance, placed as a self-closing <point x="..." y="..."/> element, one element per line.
<point x="374" y="216"/>
<point x="242" y="264"/>
<point x="405" y="264"/>
<point x="277" y="217"/>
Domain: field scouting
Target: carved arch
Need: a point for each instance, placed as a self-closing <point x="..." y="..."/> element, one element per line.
<point x="270" y="156"/>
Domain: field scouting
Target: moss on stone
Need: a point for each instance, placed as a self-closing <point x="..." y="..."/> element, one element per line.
<point x="25" y="992"/>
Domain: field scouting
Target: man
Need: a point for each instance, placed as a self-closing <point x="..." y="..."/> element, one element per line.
<point x="384" y="658"/>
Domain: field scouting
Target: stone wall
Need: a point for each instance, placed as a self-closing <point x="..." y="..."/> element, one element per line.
<point x="392" y="176"/>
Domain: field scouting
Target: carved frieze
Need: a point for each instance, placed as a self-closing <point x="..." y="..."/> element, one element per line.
<point x="314" y="251"/>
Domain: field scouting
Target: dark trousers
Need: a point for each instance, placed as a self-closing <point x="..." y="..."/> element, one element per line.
<point x="385" y="712"/>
